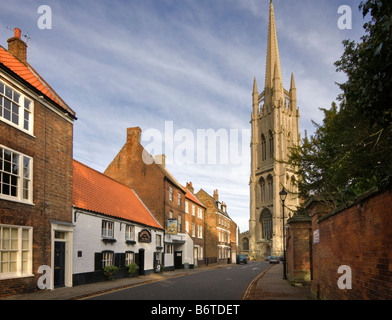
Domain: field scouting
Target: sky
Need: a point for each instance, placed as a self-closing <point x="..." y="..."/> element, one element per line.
<point x="182" y="71"/>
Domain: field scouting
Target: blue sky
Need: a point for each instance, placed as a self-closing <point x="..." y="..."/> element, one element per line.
<point x="142" y="63"/>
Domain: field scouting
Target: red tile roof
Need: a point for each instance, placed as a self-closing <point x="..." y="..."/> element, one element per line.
<point x="95" y="192"/>
<point x="28" y="74"/>
<point x="191" y="197"/>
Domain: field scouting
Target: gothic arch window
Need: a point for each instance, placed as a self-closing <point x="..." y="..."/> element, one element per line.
<point x="271" y="144"/>
<point x="263" y="148"/>
<point x="245" y="244"/>
<point x="262" y="190"/>
<point x="266" y="224"/>
<point x="270" y="183"/>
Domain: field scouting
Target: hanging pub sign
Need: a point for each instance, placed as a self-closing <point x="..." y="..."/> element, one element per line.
<point x="145" y="236"/>
<point x="171" y="226"/>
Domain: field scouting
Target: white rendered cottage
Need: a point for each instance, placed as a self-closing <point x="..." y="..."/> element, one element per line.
<point x="112" y="227"/>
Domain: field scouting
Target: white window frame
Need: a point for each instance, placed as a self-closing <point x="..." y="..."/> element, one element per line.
<point x="186" y="206"/>
<point x="193" y="209"/>
<point x="21" y="105"/>
<point x="171" y="193"/>
<point x="179" y="199"/>
<point x="20" y="249"/>
<point x="158" y="240"/>
<point x="24" y="175"/>
<point x="200" y="232"/>
<point x="199" y="213"/>
<point x="107" y="258"/>
<point x="130" y="232"/>
<point x="107" y="229"/>
<point x="187" y="226"/>
<point x="129" y="257"/>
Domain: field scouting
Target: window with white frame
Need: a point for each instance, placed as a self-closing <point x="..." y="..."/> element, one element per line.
<point x="193" y="230"/>
<point x="186" y="207"/>
<point x="15" y="108"/>
<point x="107" y="259"/>
<point x="170" y="193"/>
<point x="179" y="199"/>
<point x="129" y="257"/>
<point x="130" y="233"/>
<point x="200" y="232"/>
<point x="158" y="240"/>
<point x="169" y="249"/>
<point x="107" y="229"/>
<point x="200" y="213"/>
<point x="193" y="209"/>
<point x="15" y="251"/>
<point x="187" y="226"/>
<point x="179" y="223"/>
<point x="15" y="175"/>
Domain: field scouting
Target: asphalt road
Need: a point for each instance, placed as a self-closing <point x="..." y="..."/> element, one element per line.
<point x="225" y="283"/>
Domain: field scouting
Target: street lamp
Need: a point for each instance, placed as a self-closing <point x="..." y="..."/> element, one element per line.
<point x="283" y="195"/>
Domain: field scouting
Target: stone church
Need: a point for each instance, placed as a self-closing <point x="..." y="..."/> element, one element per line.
<point x="275" y="128"/>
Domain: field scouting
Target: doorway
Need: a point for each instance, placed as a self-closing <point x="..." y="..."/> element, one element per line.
<point x="59" y="264"/>
<point x="178" y="259"/>
<point x="141" y="262"/>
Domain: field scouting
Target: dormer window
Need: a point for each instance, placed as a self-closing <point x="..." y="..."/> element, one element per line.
<point x="15" y="108"/>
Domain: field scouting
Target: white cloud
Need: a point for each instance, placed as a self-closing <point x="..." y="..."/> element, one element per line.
<point x="122" y="64"/>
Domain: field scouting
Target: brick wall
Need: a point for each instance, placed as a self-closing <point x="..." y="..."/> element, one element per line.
<point x="360" y="237"/>
<point x="298" y="249"/>
<point x="133" y="167"/>
<point x="51" y="150"/>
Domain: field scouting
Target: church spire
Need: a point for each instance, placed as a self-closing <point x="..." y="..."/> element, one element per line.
<point x="273" y="59"/>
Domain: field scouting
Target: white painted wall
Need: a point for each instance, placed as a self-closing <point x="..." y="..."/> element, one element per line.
<point x="87" y="238"/>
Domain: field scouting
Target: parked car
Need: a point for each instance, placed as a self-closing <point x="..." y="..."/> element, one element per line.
<point x="281" y="258"/>
<point x="267" y="258"/>
<point x="273" y="259"/>
<point x="242" y="258"/>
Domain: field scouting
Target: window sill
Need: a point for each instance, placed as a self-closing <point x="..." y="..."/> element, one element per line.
<point x="109" y="240"/>
<point x="5" y="198"/>
<point x="130" y="241"/>
<point x="15" y="276"/>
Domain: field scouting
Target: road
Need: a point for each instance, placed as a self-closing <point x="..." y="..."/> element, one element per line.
<point x="225" y="283"/>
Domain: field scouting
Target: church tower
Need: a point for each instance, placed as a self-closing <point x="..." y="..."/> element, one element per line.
<point x="275" y="129"/>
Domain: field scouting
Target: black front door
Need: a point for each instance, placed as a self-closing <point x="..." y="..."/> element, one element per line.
<point x="141" y="262"/>
<point x="178" y="259"/>
<point x="59" y="264"/>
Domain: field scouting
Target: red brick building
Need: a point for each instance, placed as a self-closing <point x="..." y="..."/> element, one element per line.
<point x="220" y="230"/>
<point x="159" y="191"/>
<point x="36" y="141"/>
<point x="195" y="223"/>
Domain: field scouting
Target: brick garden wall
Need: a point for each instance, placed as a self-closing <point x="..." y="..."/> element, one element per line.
<point x="360" y="237"/>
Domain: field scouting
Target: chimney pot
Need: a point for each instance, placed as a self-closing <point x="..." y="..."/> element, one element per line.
<point x="17" y="33"/>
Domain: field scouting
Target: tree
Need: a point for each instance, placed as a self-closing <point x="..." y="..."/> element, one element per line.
<point x="351" y="151"/>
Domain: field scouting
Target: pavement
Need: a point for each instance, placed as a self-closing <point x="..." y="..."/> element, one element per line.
<point x="269" y="285"/>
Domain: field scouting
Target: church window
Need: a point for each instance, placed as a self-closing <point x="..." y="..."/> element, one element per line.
<point x="266" y="225"/>
<point x="270" y="188"/>
<point x="263" y="148"/>
<point x="271" y="144"/>
<point x="262" y="190"/>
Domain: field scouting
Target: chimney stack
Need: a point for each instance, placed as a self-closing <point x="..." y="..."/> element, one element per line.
<point x="216" y="197"/>
<point x="17" y="47"/>
<point x="189" y="186"/>
<point x="134" y="134"/>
